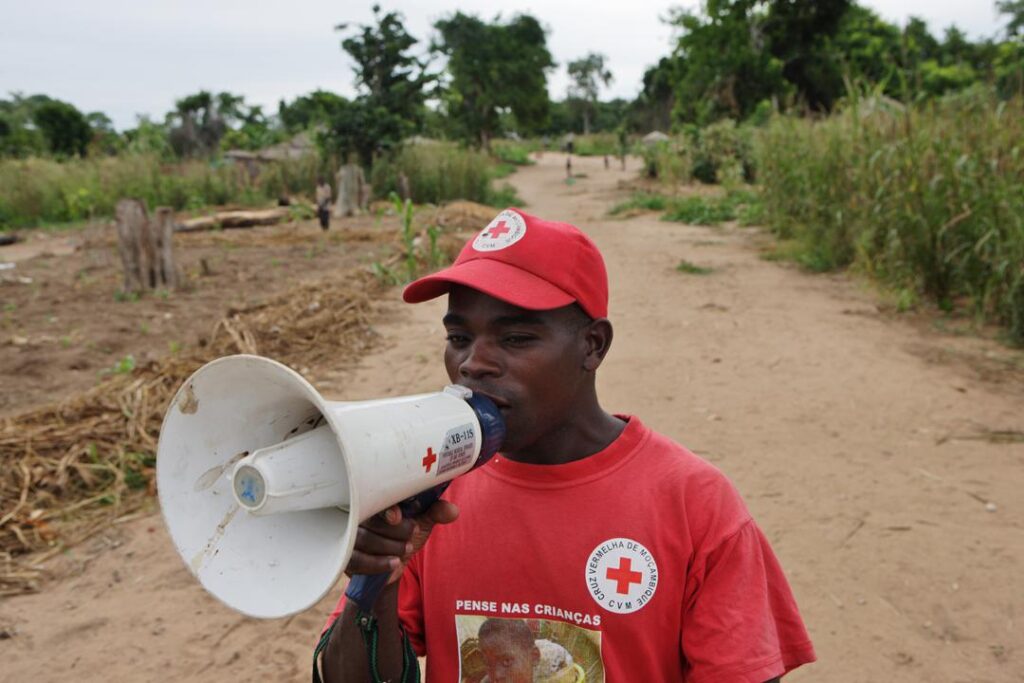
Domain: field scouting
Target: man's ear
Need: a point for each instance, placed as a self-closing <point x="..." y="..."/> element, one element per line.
<point x="597" y="337"/>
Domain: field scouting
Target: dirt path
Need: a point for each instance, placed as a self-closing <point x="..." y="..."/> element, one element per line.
<point x="865" y="447"/>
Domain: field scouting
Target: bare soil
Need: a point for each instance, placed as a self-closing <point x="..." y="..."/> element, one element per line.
<point x="880" y="454"/>
<point x="64" y="322"/>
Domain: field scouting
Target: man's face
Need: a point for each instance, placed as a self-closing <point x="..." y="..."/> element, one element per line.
<point x="529" y="362"/>
<point x="508" y="661"/>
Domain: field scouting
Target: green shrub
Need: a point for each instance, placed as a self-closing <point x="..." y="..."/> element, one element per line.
<point x="744" y="205"/>
<point x="504" y="196"/>
<point x="700" y="211"/>
<point x="719" y="153"/>
<point x="645" y="201"/>
<point x="436" y="173"/>
<point x="930" y="199"/>
<point x="512" y="152"/>
<point x="596" y="144"/>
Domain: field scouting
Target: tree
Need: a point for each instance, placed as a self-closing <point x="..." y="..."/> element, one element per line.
<point x="586" y="76"/>
<point x="868" y="49"/>
<point x="392" y="90"/>
<point x="919" y="44"/>
<point x="307" y="111"/>
<point x="149" y="137"/>
<point x="105" y="139"/>
<point x="21" y="138"/>
<point x="199" y="121"/>
<point x="652" y="109"/>
<point x="66" y="130"/>
<point x="255" y="130"/>
<point x="1014" y="9"/>
<point x="799" y="34"/>
<point x="493" y="67"/>
<point x="724" y="66"/>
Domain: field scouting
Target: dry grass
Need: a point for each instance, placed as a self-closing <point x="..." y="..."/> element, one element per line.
<point x="69" y="469"/>
<point x="73" y="466"/>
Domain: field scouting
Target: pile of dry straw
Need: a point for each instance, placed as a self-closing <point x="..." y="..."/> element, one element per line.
<point x="71" y="467"/>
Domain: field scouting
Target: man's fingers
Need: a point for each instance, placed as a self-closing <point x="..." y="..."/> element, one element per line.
<point x="442" y="512"/>
<point x="387" y="540"/>
<point x="393" y="515"/>
<point x="380" y="525"/>
<point x="363" y="563"/>
<point x="370" y="542"/>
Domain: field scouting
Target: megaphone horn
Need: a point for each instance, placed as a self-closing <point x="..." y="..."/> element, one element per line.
<point x="263" y="483"/>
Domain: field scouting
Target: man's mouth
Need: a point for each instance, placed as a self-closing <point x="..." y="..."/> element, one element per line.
<point x="500" y="403"/>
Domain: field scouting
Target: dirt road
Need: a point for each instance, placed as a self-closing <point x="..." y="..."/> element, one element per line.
<point x="867" y="447"/>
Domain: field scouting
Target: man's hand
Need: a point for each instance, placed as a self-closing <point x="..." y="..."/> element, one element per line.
<point x="387" y="541"/>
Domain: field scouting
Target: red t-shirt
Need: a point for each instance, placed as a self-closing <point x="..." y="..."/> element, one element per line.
<point x="641" y="561"/>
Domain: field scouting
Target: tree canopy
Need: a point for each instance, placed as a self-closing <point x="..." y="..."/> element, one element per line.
<point x="392" y="86"/>
<point x="491" y="68"/>
<point x="731" y="59"/>
<point x="586" y="75"/>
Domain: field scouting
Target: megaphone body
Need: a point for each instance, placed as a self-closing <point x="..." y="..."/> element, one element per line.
<point x="263" y="483"/>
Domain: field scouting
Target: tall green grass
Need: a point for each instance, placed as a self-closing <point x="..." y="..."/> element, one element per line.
<point x="928" y="199"/>
<point x="442" y="172"/>
<point x="515" y="152"/>
<point x="41" y="191"/>
<point x="596" y="144"/>
<point x="437" y="173"/>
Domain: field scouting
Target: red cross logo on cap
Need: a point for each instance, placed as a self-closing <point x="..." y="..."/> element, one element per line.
<point x="624" y="576"/>
<point x="429" y="459"/>
<point x="498" y="230"/>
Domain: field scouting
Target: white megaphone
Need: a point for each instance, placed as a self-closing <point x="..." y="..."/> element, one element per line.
<point x="263" y="483"/>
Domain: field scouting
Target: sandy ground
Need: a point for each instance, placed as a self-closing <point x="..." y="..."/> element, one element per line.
<point x="863" y="443"/>
<point x="62" y="329"/>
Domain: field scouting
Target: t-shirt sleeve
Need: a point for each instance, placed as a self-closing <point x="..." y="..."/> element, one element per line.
<point x="740" y="620"/>
<point x="410" y="605"/>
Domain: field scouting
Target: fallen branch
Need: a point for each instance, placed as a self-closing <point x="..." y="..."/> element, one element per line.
<point x="234" y="219"/>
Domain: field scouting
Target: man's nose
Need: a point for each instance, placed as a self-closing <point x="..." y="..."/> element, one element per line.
<point x="480" y="361"/>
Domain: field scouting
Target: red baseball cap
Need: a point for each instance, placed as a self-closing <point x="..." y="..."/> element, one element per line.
<point x="527" y="262"/>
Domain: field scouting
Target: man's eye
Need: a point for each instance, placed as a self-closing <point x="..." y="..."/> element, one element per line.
<point x="454" y="338"/>
<point x="518" y="339"/>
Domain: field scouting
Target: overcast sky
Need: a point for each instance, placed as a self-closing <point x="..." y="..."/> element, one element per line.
<point x="129" y="57"/>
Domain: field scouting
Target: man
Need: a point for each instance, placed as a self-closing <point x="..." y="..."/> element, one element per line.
<point x="323" y="203"/>
<point x="585" y="518"/>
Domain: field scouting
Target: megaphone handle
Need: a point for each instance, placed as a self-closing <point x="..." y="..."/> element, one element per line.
<point x="363" y="589"/>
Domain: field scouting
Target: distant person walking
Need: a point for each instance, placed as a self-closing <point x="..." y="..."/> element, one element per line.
<point x="323" y="203"/>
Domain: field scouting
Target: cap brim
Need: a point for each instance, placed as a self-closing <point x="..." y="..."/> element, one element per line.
<point x="494" y="278"/>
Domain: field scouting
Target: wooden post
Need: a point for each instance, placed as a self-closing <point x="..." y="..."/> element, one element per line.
<point x="145" y="246"/>
<point x="365" y="193"/>
<point x="350" y="190"/>
<point x="130" y="215"/>
<point x="163" y="230"/>
<point x="149" y="264"/>
<point x="403" y="187"/>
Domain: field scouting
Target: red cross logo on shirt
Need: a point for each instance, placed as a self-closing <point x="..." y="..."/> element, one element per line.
<point x="623" y="576"/>
<point x="429" y="459"/>
<point x="498" y="230"/>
